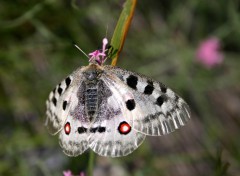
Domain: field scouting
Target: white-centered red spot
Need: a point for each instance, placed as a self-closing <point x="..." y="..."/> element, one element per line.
<point x="67" y="128"/>
<point x="124" y="128"/>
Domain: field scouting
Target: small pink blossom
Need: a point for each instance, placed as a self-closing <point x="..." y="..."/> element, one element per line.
<point x="208" y="52"/>
<point x="67" y="173"/>
<point x="82" y="174"/>
<point x="99" y="56"/>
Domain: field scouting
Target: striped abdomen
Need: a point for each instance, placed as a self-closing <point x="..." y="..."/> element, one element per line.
<point x="91" y="97"/>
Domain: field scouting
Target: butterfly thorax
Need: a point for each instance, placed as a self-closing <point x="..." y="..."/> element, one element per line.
<point x="92" y="87"/>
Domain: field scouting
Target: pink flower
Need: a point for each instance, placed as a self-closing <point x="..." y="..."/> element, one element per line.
<point x="208" y="52"/>
<point x="99" y="56"/>
<point x="82" y="174"/>
<point x="67" y="173"/>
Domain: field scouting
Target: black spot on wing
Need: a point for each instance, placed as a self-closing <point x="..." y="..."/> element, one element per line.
<point x="101" y="129"/>
<point x="132" y="81"/>
<point x="68" y="82"/>
<point x="149" y="88"/>
<point x="54" y="90"/>
<point x="97" y="129"/>
<point x="163" y="88"/>
<point x="160" y="100"/>
<point x="82" y="130"/>
<point x="93" y="130"/>
<point x="54" y="100"/>
<point x="130" y="104"/>
<point x="176" y="98"/>
<point x="64" y="105"/>
<point x="60" y="90"/>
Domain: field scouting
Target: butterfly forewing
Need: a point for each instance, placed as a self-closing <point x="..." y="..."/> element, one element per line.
<point x="158" y="109"/>
<point x="58" y="105"/>
<point x="61" y="100"/>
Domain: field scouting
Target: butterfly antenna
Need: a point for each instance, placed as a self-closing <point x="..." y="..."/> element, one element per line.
<point x="81" y="50"/>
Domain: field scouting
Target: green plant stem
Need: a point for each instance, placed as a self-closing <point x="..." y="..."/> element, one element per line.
<point x="90" y="164"/>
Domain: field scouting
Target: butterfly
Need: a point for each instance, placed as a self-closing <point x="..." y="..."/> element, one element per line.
<point x="110" y="110"/>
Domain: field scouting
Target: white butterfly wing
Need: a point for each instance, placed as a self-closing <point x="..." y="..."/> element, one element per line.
<point x="75" y="134"/>
<point x="64" y="114"/>
<point x="57" y="109"/>
<point x="74" y="137"/>
<point x="157" y="110"/>
<point x="112" y="133"/>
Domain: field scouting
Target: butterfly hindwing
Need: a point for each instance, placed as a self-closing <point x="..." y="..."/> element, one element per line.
<point x="112" y="132"/>
<point x="74" y="136"/>
<point x="158" y="109"/>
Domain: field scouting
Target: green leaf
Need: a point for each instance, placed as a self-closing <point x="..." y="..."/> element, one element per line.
<point x="121" y="29"/>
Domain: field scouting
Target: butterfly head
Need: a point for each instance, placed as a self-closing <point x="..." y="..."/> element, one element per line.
<point x="92" y="73"/>
<point x="99" y="56"/>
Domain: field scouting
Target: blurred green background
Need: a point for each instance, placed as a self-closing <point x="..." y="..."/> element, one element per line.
<point x="36" y="53"/>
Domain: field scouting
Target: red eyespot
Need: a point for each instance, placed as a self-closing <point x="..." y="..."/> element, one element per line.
<point x="67" y="128"/>
<point x="124" y="128"/>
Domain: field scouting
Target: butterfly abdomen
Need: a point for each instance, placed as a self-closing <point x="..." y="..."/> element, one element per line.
<point x="91" y="100"/>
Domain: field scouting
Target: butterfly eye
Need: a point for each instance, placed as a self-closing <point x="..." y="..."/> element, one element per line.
<point x="124" y="128"/>
<point x="67" y="128"/>
<point x="92" y="75"/>
<point x="99" y="73"/>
